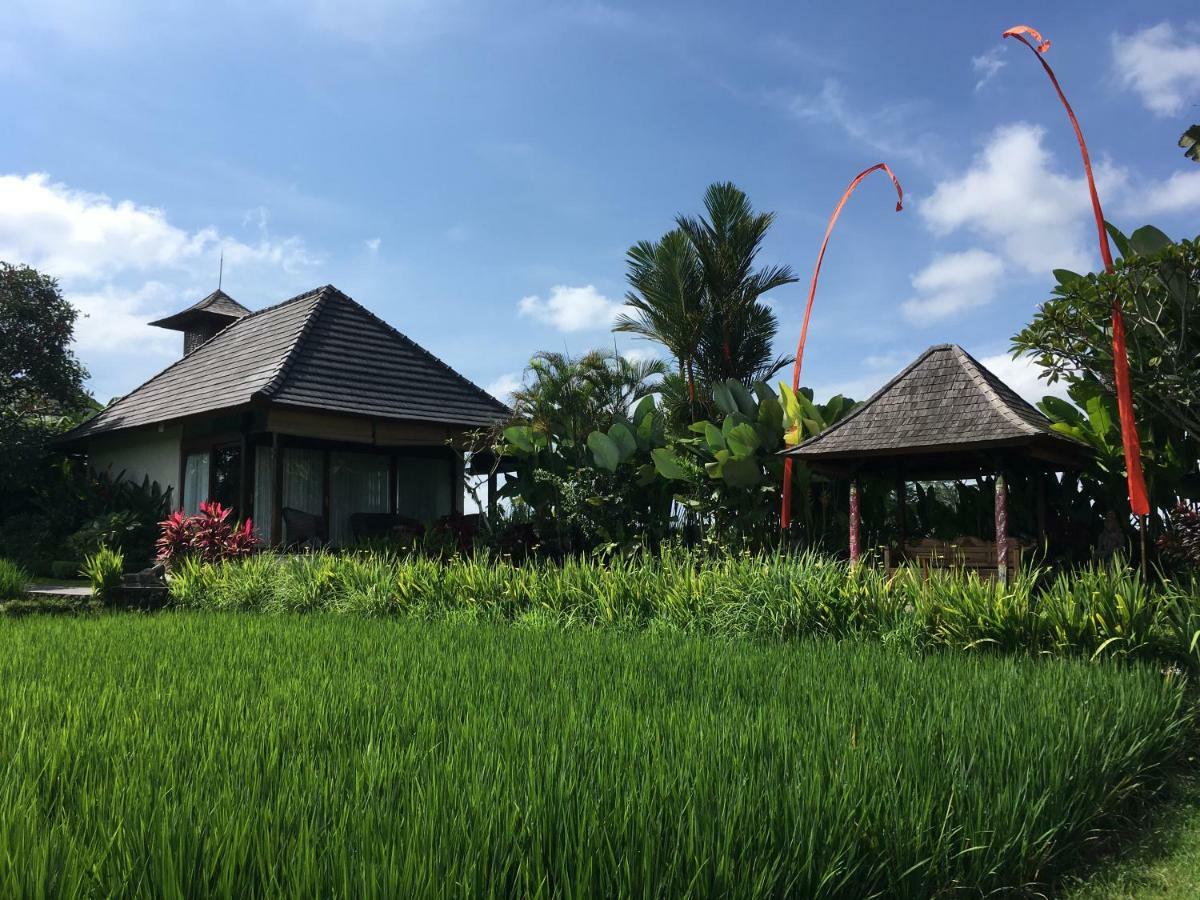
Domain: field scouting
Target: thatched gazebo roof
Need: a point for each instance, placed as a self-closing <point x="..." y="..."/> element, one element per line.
<point x="944" y="416"/>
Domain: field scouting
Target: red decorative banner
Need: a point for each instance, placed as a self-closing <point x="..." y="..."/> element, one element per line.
<point x="1138" y="502"/>
<point x="785" y="516"/>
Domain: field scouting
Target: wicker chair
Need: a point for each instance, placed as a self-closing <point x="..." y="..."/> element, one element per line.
<point x="303" y="529"/>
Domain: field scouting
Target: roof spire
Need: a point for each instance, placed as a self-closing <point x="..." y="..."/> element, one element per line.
<point x="221" y="269"/>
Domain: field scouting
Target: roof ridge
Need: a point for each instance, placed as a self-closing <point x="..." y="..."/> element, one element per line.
<point x="280" y="374"/>
<point x="432" y="358"/>
<point x="871" y="399"/>
<point x="979" y="372"/>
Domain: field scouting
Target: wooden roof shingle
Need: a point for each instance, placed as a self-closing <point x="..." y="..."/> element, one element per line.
<point x="320" y="350"/>
<point x="945" y="399"/>
<point x="217" y="305"/>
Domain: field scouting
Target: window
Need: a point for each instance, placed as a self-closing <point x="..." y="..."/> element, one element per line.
<point x="195" y="481"/>
<point x="227" y="477"/>
<point x="358" y="483"/>
<point x="423" y="488"/>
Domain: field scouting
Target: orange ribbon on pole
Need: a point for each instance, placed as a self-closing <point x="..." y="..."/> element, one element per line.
<point x="785" y="515"/>
<point x="1138" y="501"/>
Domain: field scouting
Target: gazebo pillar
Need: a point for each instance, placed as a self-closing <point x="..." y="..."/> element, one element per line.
<point x="1002" y="527"/>
<point x="855" y="520"/>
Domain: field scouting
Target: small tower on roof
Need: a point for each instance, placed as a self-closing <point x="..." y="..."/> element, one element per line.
<point x="202" y="320"/>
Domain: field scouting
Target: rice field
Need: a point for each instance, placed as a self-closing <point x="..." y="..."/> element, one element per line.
<point x="188" y="755"/>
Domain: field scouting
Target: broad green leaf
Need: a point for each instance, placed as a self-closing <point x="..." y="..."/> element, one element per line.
<point x="763" y="392"/>
<point x="520" y="436"/>
<point x="1119" y="239"/>
<point x="604" y="450"/>
<point x="644" y="408"/>
<point x="1097" y="411"/>
<point x="1059" y="410"/>
<point x="668" y="465"/>
<point x="624" y="439"/>
<point x="741" y="473"/>
<point x="646" y="474"/>
<point x="742" y="440"/>
<point x="1148" y="240"/>
<point x="745" y="401"/>
<point x="724" y="397"/>
<point x="713" y="437"/>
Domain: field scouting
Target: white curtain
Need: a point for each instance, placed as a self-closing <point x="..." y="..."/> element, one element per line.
<point x="358" y="483"/>
<point x="264" y="482"/>
<point x="195" y="481"/>
<point x="303" y="482"/>
<point x="423" y="488"/>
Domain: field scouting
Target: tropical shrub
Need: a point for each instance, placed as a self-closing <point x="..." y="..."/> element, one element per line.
<point x="1157" y="281"/>
<point x="209" y="536"/>
<point x="103" y="570"/>
<point x="14" y="580"/>
<point x="1180" y="545"/>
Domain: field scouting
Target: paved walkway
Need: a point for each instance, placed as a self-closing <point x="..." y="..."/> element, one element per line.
<point x="65" y="590"/>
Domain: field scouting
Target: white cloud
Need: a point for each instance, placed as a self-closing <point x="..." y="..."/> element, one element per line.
<point x="73" y="234"/>
<point x="504" y="386"/>
<point x="114" y="319"/>
<point x="953" y="283"/>
<point x="1160" y="66"/>
<point x="1179" y="193"/>
<point x="641" y="354"/>
<point x="1011" y="195"/>
<point x="1021" y="374"/>
<point x="571" y="308"/>
<point x="987" y="65"/>
<point x="372" y="244"/>
<point x="886" y="129"/>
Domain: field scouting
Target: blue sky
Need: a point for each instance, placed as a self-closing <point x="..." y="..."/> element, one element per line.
<point x="473" y="172"/>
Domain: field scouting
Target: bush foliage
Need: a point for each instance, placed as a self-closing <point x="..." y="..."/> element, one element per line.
<point x="1097" y="612"/>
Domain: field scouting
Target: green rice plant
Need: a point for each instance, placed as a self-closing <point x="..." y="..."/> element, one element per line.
<point x="1100" y="610"/>
<point x="348" y="756"/>
<point x="14" y="580"/>
<point x="964" y="611"/>
<point x="1180" y="620"/>
<point x="103" y="569"/>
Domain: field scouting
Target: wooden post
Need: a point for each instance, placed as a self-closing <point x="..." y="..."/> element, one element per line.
<point x="491" y="506"/>
<point x="243" y="510"/>
<point x="1002" y="527"/>
<point x="855" y="517"/>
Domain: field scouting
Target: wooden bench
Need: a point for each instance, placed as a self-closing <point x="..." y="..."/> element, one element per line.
<point x="967" y="554"/>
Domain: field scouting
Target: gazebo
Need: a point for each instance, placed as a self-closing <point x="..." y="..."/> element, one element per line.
<point x="944" y="417"/>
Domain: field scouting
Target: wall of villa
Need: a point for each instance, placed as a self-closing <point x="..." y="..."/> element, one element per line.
<point x="141" y="453"/>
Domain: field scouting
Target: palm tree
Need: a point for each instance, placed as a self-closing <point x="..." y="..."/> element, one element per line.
<point x="567" y="398"/>
<point x="696" y="292"/>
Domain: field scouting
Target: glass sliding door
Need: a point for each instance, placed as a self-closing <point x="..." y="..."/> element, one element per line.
<point x="358" y="483"/>
<point x="423" y="488"/>
<point x="303" y="484"/>
<point x="264" y="494"/>
<point x="195" y="481"/>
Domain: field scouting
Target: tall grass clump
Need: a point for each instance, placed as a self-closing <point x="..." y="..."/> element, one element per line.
<point x="14" y="580"/>
<point x="187" y="755"/>
<point x="103" y="571"/>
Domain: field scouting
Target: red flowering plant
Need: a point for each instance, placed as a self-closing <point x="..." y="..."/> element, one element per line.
<point x="208" y="536"/>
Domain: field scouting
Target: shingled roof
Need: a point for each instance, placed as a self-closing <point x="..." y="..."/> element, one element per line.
<point x="319" y="350"/>
<point x="218" y="304"/>
<point x="945" y="401"/>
